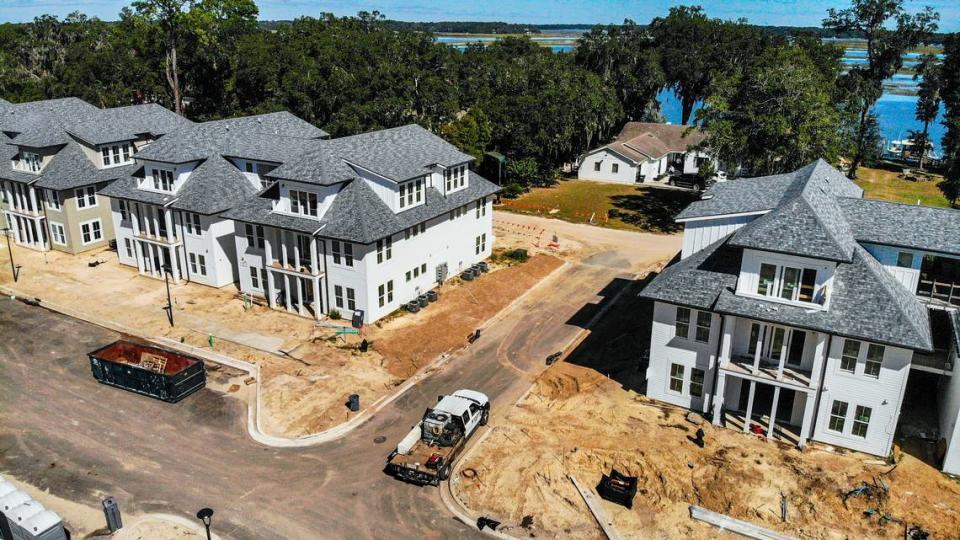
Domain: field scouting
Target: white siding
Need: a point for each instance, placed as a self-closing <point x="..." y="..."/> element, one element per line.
<point x="666" y="349"/>
<point x="883" y="395"/>
<point x="325" y="197"/>
<point x="703" y="232"/>
<point x="949" y="411"/>
<point x="626" y="173"/>
<point x="216" y="244"/>
<point x="750" y="274"/>
<point x="887" y="256"/>
<point x="123" y="232"/>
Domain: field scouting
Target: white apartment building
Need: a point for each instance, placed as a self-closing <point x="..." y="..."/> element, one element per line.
<point x="362" y="224"/>
<point x="801" y="308"/>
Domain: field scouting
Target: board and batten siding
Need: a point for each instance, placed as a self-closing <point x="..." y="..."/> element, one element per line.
<point x="949" y="413"/>
<point x="666" y="349"/>
<point x="887" y="256"/>
<point x="703" y="232"/>
<point x="626" y="172"/>
<point x="883" y="395"/>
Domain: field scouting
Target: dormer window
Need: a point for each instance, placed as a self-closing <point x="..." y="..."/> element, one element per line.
<point x="786" y="282"/>
<point x="30" y="161"/>
<point x="411" y="193"/>
<point x="116" y="154"/>
<point x="303" y="203"/>
<point x="162" y="179"/>
<point x="455" y="177"/>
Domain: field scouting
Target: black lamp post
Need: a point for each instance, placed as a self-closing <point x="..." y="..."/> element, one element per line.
<point x="204" y="515"/>
<point x="169" y="307"/>
<point x="14" y="268"/>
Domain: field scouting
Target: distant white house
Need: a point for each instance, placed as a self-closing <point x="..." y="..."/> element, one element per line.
<point x="643" y="152"/>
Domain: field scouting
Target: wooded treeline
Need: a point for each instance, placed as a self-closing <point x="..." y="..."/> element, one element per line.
<point x="771" y="101"/>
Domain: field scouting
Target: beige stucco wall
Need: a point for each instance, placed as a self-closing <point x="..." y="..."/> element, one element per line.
<point x="71" y="217"/>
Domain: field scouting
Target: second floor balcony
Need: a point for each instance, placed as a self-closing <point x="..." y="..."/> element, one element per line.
<point x="771" y="352"/>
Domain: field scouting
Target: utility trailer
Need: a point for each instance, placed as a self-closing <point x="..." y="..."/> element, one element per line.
<point x="148" y="370"/>
<point x="426" y="454"/>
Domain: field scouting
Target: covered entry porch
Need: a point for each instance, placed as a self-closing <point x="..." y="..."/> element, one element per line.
<point x="29" y="231"/>
<point x="764" y="406"/>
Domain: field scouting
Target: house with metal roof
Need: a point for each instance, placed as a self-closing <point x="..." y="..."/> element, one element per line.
<point x="58" y="156"/>
<point x="644" y="152"/>
<point x="800" y="310"/>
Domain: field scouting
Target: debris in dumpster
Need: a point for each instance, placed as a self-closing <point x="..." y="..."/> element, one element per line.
<point x="618" y="488"/>
<point x="553" y="358"/>
<point x="487" y="522"/>
<point x="434" y="461"/>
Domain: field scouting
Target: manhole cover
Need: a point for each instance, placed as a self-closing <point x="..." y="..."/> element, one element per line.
<point x="379" y="439"/>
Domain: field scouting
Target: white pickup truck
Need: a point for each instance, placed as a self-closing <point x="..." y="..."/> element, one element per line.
<point x="427" y="453"/>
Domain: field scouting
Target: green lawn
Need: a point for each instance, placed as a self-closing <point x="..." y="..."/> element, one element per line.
<point x="635" y="208"/>
<point x="887" y="186"/>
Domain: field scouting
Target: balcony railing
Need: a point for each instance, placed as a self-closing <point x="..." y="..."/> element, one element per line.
<point x="768" y="369"/>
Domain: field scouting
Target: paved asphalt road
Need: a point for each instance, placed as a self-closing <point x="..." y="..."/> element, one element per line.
<point x="60" y="430"/>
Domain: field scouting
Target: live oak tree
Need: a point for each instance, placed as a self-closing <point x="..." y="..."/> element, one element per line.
<point x="930" y="71"/>
<point x="777" y="116"/>
<point x="626" y="59"/>
<point x="889" y="32"/>
<point x="950" y="90"/>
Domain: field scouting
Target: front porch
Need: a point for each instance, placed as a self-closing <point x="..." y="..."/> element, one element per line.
<point x="28" y="229"/>
<point x="292" y="266"/>
<point x="769" y="408"/>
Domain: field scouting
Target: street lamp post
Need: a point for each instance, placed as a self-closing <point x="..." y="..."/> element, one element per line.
<point x="14" y="268"/>
<point x="169" y="308"/>
<point x="204" y="515"/>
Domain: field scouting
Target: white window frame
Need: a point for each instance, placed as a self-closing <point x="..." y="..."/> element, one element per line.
<point x="124" y="210"/>
<point x="255" y="279"/>
<point x="86" y="197"/>
<point x="192" y="223"/>
<point x="31" y="162"/>
<point x="775" y="288"/>
<point x="254" y="234"/>
<point x="338" y="296"/>
<point x="481" y="244"/>
<point x="677" y="324"/>
<point x="54" y="225"/>
<point x="198" y="264"/>
<point x="858" y="423"/>
<point x="869" y="361"/>
<point x="114" y="155"/>
<point x="843" y="355"/>
<point x="703" y="327"/>
<point x="411" y="192"/>
<point x="384" y="249"/>
<point x="676" y="373"/>
<point x="842" y="418"/>
<point x="385" y="293"/>
<point x="304" y="203"/>
<point x="90" y="223"/>
<point x="693" y="383"/>
<point x="342" y="253"/>
<point x="128" y="245"/>
<point x="163" y="180"/>
<point x="49" y="196"/>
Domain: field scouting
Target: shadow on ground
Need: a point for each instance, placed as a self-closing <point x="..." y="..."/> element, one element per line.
<point x="652" y="209"/>
<point x="618" y="344"/>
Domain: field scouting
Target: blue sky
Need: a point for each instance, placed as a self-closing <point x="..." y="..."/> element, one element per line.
<point x="779" y="12"/>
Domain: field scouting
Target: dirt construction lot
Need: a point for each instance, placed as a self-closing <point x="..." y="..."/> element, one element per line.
<point x="308" y="372"/>
<point x="578" y="422"/>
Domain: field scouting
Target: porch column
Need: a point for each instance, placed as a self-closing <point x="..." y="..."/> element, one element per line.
<point x="267" y="262"/>
<point x="168" y="221"/>
<point x="718" y="397"/>
<point x="286" y="291"/>
<point x="9" y="197"/>
<point x="33" y="199"/>
<point x="783" y="353"/>
<point x="806" y="426"/>
<point x="316" y="296"/>
<point x="138" y="253"/>
<point x="301" y="296"/>
<point x="759" y="347"/>
<point x="314" y="263"/>
<point x="819" y="357"/>
<point x="283" y="248"/>
<point x="773" y="411"/>
<point x="174" y="267"/>
<point x="296" y="250"/>
<point x="746" y="419"/>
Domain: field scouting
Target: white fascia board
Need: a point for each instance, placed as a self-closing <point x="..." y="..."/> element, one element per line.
<point x="720" y="216"/>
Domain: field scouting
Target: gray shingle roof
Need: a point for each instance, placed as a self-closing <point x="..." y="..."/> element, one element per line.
<point x="41" y="123"/>
<point x="866" y="302"/>
<point x="126" y="188"/>
<point x="399" y="154"/>
<point x="70" y="168"/>
<point x="816" y="216"/>
<point x="214" y="186"/>
<point x="127" y="123"/>
<point x="904" y="225"/>
<point x="359" y="215"/>
<point x="750" y="195"/>
<point x="273" y="137"/>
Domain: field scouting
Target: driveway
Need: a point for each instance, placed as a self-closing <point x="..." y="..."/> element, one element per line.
<point x="60" y="430"/>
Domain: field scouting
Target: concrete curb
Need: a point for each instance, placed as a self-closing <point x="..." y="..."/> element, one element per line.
<point x="254" y="414"/>
<point x="447" y="495"/>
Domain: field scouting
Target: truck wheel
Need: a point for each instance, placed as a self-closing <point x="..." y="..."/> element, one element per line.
<point x="444" y="472"/>
<point x="485" y="417"/>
